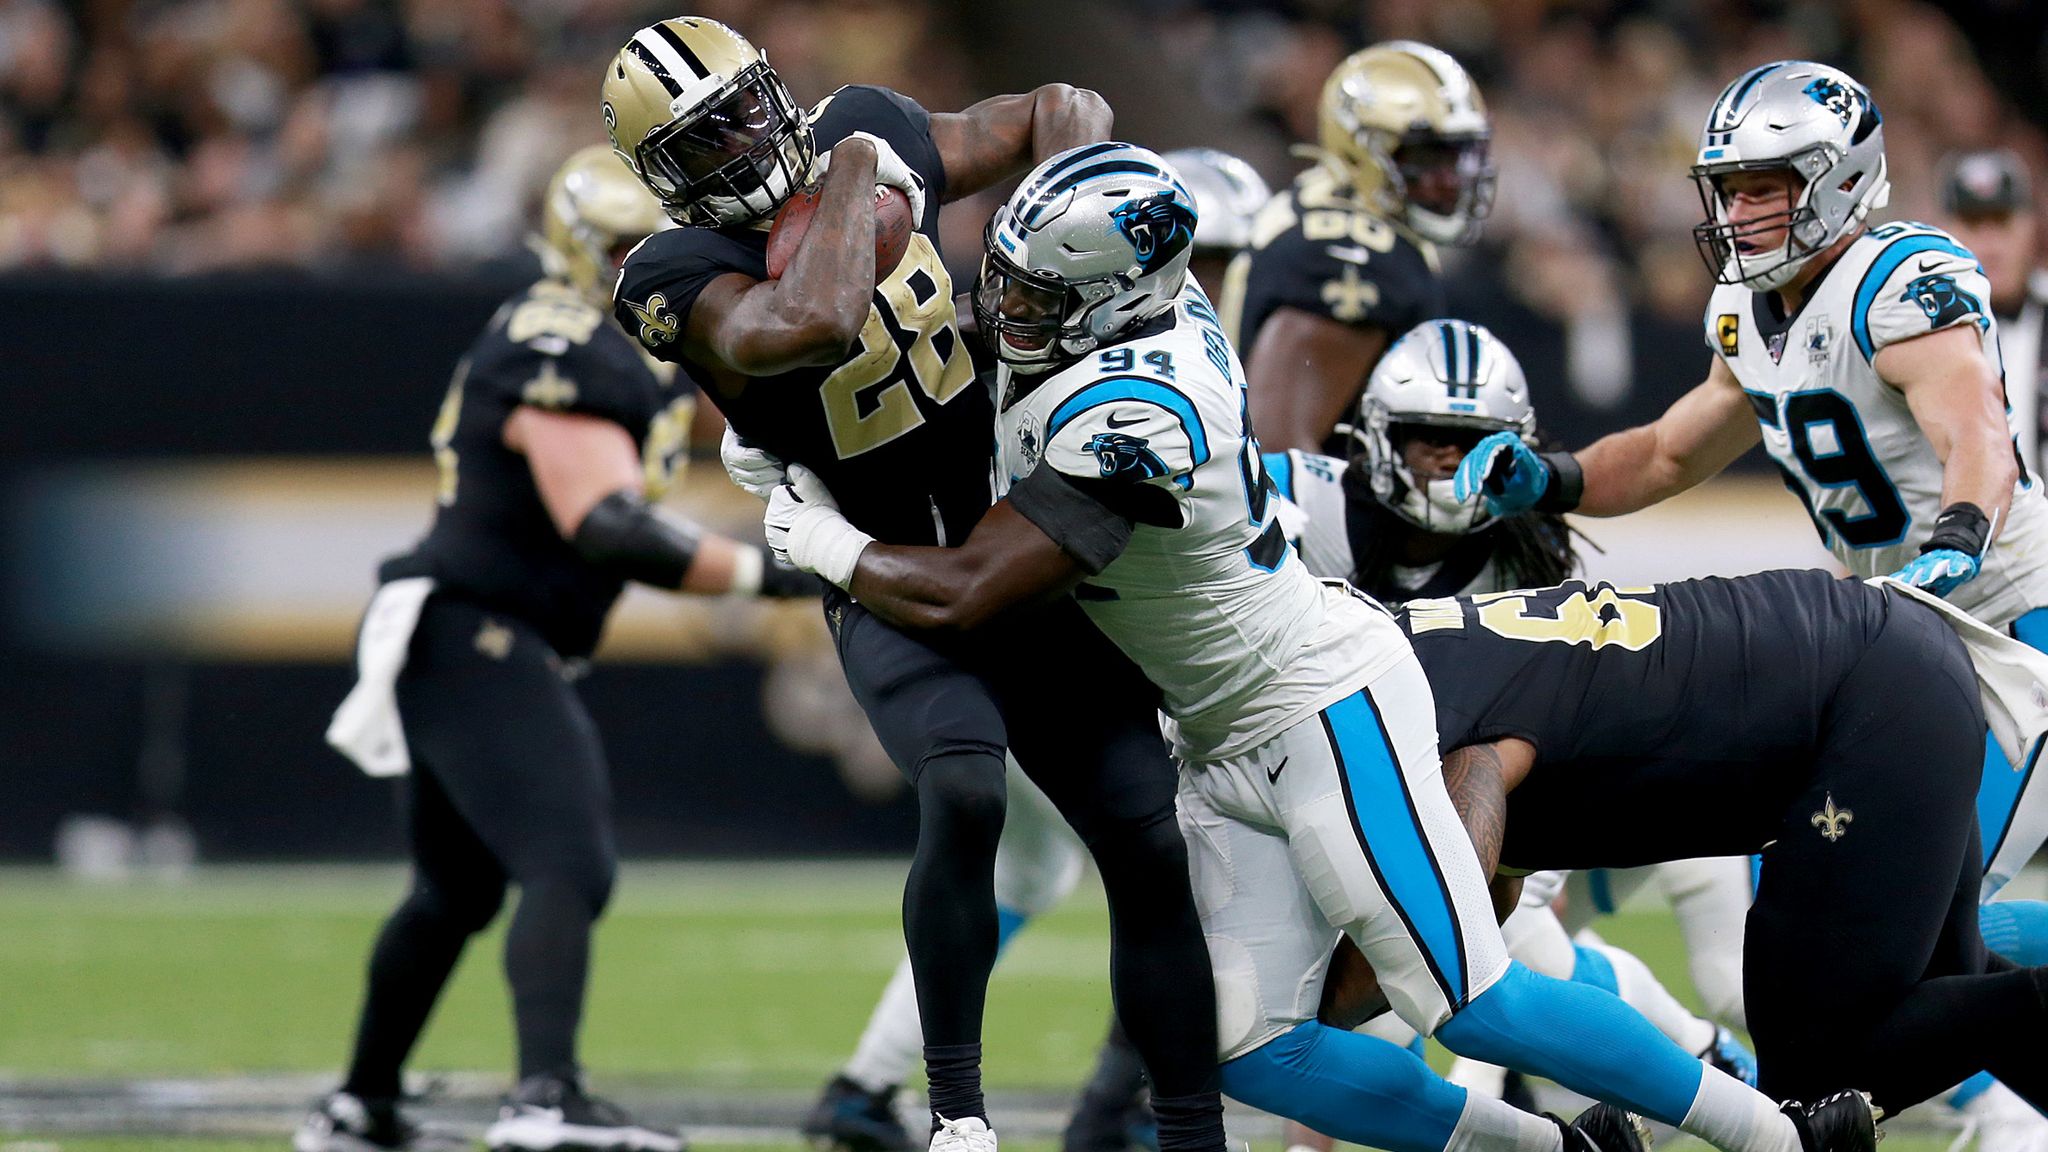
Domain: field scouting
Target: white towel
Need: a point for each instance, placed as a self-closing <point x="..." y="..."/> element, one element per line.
<point x="2012" y="677"/>
<point x="366" y="728"/>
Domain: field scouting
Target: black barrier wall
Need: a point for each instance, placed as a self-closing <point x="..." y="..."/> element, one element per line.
<point x="98" y="373"/>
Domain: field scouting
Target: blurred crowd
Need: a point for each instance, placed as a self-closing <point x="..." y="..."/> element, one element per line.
<point x="189" y="135"/>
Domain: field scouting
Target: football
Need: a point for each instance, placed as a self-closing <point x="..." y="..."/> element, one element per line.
<point x="892" y="229"/>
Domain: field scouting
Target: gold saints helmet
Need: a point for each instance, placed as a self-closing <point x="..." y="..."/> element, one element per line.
<point x="1406" y="127"/>
<point x="594" y="213"/>
<point x="696" y="112"/>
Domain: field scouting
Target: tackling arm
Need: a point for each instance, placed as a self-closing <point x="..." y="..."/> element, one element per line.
<point x="1004" y="135"/>
<point x="1006" y="560"/>
<point x="1305" y="373"/>
<point x="815" y="312"/>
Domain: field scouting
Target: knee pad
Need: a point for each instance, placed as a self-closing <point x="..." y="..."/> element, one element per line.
<point x="964" y="788"/>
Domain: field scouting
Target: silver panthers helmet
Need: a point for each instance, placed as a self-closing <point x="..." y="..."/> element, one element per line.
<point x="1440" y="374"/>
<point x="1094" y="242"/>
<point x="1812" y="120"/>
<point x="1228" y="195"/>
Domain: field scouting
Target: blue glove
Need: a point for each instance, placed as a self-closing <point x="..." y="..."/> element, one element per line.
<point x="1941" y="571"/>
<point x="1730" y="1056"/>
<point x="1506" y="470"/>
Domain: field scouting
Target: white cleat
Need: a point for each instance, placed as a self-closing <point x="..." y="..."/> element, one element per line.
<point x="2001" y="1122"/>
<point x="554" y="1114"/>
<point x="969" y="1135"/>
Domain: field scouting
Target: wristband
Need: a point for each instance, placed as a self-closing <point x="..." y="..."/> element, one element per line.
<point x="1567" y="483"/>
<point x="747" y="565"/>
<point x="1961" y="527"/>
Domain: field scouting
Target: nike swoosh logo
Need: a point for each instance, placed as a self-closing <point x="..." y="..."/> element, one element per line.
<point x="1113" y="422"/>
<point x="1273" y="774"/>
<point x="1927" y="267"/>
<point x="1353" y="254"/>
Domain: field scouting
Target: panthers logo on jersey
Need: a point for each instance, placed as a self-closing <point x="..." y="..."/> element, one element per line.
<point x="1159" y="228"/>
<point x="1942" y="301"/>
<point x="1126" y="456"/>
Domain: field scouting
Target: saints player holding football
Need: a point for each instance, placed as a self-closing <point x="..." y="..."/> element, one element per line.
<point x="861" y="374"/>
<point x="1345" y="261"/>
<point x="1039" y="859"/>
<point x="1310" y="794"/>
<point x="555" y="436"/>
<point x="1866" y="361"/>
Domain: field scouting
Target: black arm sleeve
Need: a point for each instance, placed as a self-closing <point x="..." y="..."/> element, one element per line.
<point x="1079" y="523"/>
<point x="624" y="536"/>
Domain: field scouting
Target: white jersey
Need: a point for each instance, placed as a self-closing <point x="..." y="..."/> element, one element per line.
<point x="1207" y="598"/>
<point x="1315" y="484"/>
<point x="1845" y="440"/>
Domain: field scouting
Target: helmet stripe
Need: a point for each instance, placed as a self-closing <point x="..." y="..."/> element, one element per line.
<point x="1051" y="192"/>
<point x="1472" y="372"/>
<point x="690" y="58"/>
<point x="1724" y="112"/>
<point x="642" y="47"/>
<point x="1080" y="155"/>
<point x="1444" y="333"/>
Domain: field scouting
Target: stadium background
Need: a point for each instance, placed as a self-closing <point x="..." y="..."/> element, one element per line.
<point x="242" y="243"/>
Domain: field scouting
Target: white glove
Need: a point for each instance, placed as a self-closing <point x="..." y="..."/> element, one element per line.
<point x="1540" y="889"/>
<point x="892" y="172"/>
<point x="805" y="529"/>
<point x="754" y="469"/>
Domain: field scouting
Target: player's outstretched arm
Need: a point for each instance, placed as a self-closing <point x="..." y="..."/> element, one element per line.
<point x="1957" y="400"/>
<point x="1304" y="374"/>
<point x="1695" y="438"/>
<point x="815" y="312"/>
<point x="1003" y="136"/>
<point x="589" y="476"/>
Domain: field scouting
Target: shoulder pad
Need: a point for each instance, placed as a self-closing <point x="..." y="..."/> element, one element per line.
<point x="1127" y="428"/>
<point x="663" y="276"/>
<point x="1921" y="280"/>
<point x="1351" y="266"/>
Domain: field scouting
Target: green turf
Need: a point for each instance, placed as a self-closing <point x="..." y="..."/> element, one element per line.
<point x="756" y="975"/>
<point x="711" y="975"/>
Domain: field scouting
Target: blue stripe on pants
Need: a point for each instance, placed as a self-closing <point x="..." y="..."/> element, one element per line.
<point x="1998" y="795"/>
<point x="1390" y="834"/>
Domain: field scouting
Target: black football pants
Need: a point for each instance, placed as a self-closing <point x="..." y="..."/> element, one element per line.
<point x="508" y="786"/>
<point x="1862" y="966"/>
<point x="1083" y="724"/>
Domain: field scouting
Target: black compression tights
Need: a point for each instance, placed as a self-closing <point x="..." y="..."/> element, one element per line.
<point x="949" y="918"/>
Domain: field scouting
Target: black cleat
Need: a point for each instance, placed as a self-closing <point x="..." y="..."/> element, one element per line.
<point x="1604" y="1128"/>
<point x="850" y="1118"/>
<point x="552" y="1113"/>
<point x="1101" y="1125"/>
<point x="345" y="1122"/>
<point x="1844" y="1122"/>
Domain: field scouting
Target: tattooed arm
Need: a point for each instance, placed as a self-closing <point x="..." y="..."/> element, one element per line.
<point x="1005" y="135"/>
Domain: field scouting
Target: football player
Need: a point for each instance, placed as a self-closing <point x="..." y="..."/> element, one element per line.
<point x="554" y="439"/>
<point x="1310" y="794"/>
<point x="861" y="374"/>
<point x="1038" y="858"/>
<point x="1386" y="521"/>
<point x="1866" y="361"/>
<point x="1787" y="712"/>
<point x="1345" y="260"/>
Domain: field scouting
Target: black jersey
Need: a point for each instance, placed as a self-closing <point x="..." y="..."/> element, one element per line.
<point x="1317" y="247"/>
<point x="897" y="431"/>
<point x="492" y="539"/>
<point x="1738" y="670"/>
